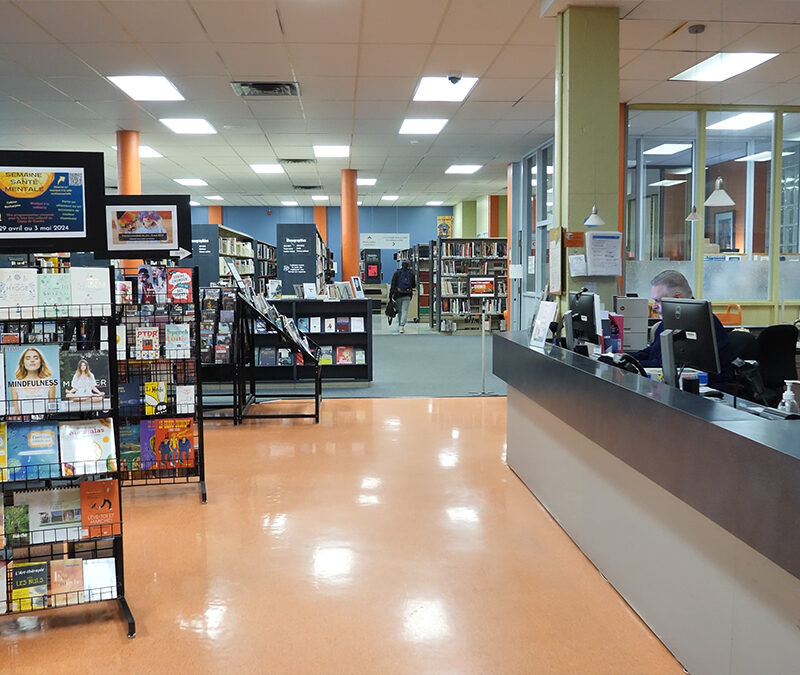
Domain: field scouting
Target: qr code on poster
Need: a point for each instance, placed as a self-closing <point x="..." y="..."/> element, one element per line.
<point x="76" y="179"/>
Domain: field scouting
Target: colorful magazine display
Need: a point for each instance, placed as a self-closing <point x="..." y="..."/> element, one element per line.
<point x="147" y="444"/>
<point x="129" y="447"/>
<point x="53" y="515"/>
<point x="344" y="355"/>
<point x="85" y="380"/>
<point x="87" y="446"/>
<point x="32" y="378"/>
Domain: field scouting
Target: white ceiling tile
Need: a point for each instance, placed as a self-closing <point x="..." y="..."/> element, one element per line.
<point x="391" y="60"/>
<point x="386" y="89"/>
<point x="155" y="20"/>
<point x="768" y="38"/>
<point x="195" y="88"/>
<point x="466" y="21"/>
<point x="256" y="61"/>
<point x="523" y="61"/>
<point x="283" y="126"/>
<point x="314" y="21"/>
<point x="410" y="21"/>
<point x="465" y="125"/>
<point x="328" y="88"/>
<point x="502" y="89"/>
<point x="644" y="34"/>
<point x="43" y="60"/>
<point x="484" y="110"/>
<point x="329" y="109"/>
<point x="628" y="55"/>
<point x="468" y="59"/>
<point x="28" y="90"/>
<point x="630" y="90"/>
<point x="535" y="30"/>
<point x="323" y="59"/>
<point x="545" y="90"/>
<point x="265" y="109"/>
<point x="239" y="20"/>
<point x="516" y="127"/>
<point x="116" y="59"/>
<point x="176" y="60"/>
<point x="17" y="27"/>
<point x="380" y="110"/>
<point x="77" y="21"/>
<point x="659" y="65"/>
<point x="87" y="89"/>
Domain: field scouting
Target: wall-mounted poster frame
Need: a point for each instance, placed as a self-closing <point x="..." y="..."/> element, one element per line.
<point x="54" y="199"/>
<point x="146" y="226"/>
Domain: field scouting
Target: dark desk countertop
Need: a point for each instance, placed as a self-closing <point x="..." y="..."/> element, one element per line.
<point x="741" y="471"/>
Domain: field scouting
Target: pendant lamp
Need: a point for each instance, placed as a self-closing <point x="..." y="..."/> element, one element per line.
<point x="693" y="216"/>
<point x="719" y="197"/>
<point x="593" y="218"/>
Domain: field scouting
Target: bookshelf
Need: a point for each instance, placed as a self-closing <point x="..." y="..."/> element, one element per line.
<point x="301" y="256"/>
<point x="458" y="260"/>
<point x="266" y="265"/>
<point x="61" y="543"/>
<point x="238" y="247"/>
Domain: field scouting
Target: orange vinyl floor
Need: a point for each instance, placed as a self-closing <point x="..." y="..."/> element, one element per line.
<point x="390" y="538"/>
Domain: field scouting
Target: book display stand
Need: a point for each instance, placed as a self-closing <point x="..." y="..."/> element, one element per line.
<point x="61" y="540"/>
<point x="160" y="389"/>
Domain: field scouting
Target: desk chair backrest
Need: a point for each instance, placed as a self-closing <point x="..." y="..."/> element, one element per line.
<point x="744" y="345"/>
<point x="776" y="355"/>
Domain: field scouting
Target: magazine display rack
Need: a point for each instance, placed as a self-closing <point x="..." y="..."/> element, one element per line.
<point x="61" y="538"/>
<point x="160" y="388"/>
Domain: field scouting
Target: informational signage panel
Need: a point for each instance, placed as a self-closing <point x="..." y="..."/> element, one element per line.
<point x="296" y="254"/>
<point x="205" y="253"/>
<point x="390" y="240"/>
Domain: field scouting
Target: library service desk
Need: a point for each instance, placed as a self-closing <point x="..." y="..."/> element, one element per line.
<point x="690" y="508"/>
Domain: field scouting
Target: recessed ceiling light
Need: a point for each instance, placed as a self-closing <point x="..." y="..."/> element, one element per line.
<point x="682" y="171"/>
<point x="765" y="156"/>
<point x="267" y="168"/>
<point x="464" y="168"/>
<point x="331" y="151"/>
<point x="366" y="181"/>
<point x="723" y="66"/>
<point x="668" y="149"/>
<point x="444" y="89"/>
<point x="319" y="198"/>
<point x="669" y="182"/>
<point x="193" y="203"/>
<point x="434" y="202"/>
<point x="289" y="202"/>
<point x="216" y="198"/>
<point x="145" y="152"/>
<point x="147" y="88"/>
<point x="390" y="198"/>
<point x="190" y="182"/>
<point x="188" y="126"/>
<point x="742" y="121"/>
<point x="420" y="126"/>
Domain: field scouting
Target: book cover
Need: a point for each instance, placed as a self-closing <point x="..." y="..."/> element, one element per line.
<point x="100" y="508"/>
<point x="122" y="343"/>
<point x="129" y="447"/>
<point x="344" y="290"/>
<point x="10" y="338"/>
<point x="123" y="292"/>
<point x="87" y="446"/>
<point x="32" y="377"/>
<point x="344" y="355"/>
<point x="356" y="324"/>
<point x="53" y="515"/>
<point x="28" y="585"/>
<point x="17" y="525"/>
<point x="55" y="295"/>
<point x="174" y="443"/>
<point x="130" y="396"/>
<point x="66" y="582"/>
<point x="18" y="292"/>
<point x="310" y="291"/>
<point x="267" y="356"/>
<point x="99" y="579"/>
<point x="315" y="324"/>
<point x="360" y="356"/>
<point x="326" y="355"/>
<point x="221" y="353"/>
<point x="91" y="291"/>
<point x="3" y="457"/>
<point x="226" y="316"/>
<point x="147" y="444"/>
<point x="179" y="284"/>
<point x="274" y="288"/>
<point x="330" y="325"/>
<point x="147" y="345"/>
<point x="177" y="344"/>
<point x="155" y="398"/>
<point x="184" y="399"/>
<point x="285" y="357"/>
<point x="32" y="450"/>
<point x="342" y="324"/>
<point x="158" y="277"/>
<point x="303" y="324"/>
<point x="85" y="380"/>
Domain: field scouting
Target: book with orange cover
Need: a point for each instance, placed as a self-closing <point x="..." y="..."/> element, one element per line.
<point x="344" y="355"/>
<point x="66" y="582"/>
<point x="174" y="442"/>
<point x="100" y="508"/>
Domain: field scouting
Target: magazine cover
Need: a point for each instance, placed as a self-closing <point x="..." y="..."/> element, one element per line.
<point x="124" y="292"/>
<point x="130" y="447"/>
<point x="155" y="398"/>
<point x="87" y="446"/>
<point x="147" y="345"/>
<point x="344" y="355"/>
<point x="147" y="440"/>
<point x="32" y="378"/>
<point x="158" y="277"/>
<point x="177" y="341"/>
<point x="54" y="295"/>
<point x="85" y="380"/>
<point x="144" y="283"/>
<point x="184" y="399"/>
<point x="179" y="284"/>
<point x="91" y="290"/>
<point x="3" y="457"/>
<point x="174" y="443"/>
<point x="18" y="292"/>
<point x="99" y="579"/>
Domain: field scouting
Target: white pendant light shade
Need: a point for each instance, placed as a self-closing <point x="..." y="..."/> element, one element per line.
<point x="719" y="197"/>
<point x="693" y="216"/>
<point x="593" y="218"/>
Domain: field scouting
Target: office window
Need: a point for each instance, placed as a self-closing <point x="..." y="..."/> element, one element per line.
<point x="789" y="264"/>
<point x="539" y="167"/>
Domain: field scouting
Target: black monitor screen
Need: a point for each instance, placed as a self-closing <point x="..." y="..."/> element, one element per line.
<point x="695" y="340"/>
<point x="584" y="308"/>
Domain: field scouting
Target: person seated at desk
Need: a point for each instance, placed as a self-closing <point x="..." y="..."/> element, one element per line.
<point x="672" y="284"/>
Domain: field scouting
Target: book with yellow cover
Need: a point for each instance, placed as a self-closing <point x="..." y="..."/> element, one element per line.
<point x="66" y="582"/>
<point x="155" y="398"/>
<point x="28" y="585"/>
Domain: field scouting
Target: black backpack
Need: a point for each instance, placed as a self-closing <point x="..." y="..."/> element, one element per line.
<point x="405" y="282"/>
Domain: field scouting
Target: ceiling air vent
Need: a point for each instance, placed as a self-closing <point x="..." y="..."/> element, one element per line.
<point x="307" y="187"/>
<point x="264" y="89"/>
<point x="298" y="162"/>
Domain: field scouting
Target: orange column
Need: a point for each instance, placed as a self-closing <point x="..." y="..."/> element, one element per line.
<point x="321" y="221"/>
<point x="494" y="216"/>
<point x="215" y="214"/>
<point x="129" y="170"/>
<point x="349" y="224"/>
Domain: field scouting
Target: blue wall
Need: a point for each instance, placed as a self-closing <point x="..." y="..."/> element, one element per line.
<point x="418" y="221"/>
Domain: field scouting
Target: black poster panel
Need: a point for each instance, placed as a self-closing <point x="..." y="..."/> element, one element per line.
<point x="205" y="253"/>
<point x="296" y="254"/>
<point x="146" y="226"/>
<point x="51" y="201"/>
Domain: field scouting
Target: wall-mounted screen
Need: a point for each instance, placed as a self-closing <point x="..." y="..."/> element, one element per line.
<point x="482" y="287"/>
<point x="146" y="226"/>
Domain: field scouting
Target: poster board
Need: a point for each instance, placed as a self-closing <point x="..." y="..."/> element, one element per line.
<point x="604" y="254"/>
<point x="444" y="226"/>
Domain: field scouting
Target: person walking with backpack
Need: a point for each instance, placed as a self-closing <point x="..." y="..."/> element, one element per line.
<point x="401" y="291"/>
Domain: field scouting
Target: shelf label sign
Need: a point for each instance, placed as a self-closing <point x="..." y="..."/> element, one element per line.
<point x="391" y="240"/>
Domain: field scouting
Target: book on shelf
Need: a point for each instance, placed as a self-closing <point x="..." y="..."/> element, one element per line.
<point x="28" y="585"/>
<point x="179" y="284"/>
<point x="17" y="525"/>
<point x="32" y="450"/>
<point x="129" y="394"/>
<point x="53" y="515"/>
<point x="326" y="355"/>
<point x="356" y="324"/>
<point x="177" y="341"/>
<point x="342" y="324"/>
<point x="147" y="444"/>
<point x="55" y="295"/>
<point x="130" y="450"/>
<point x="184" y="399"/>
<point x="226" y="316"/>
<point x="344" y="355"/>
<point x="315" y="324"/>
<point x="155" y="398"/>
<point x="267" y="356"/>
<point x="87" y="446"/>
<point x="85" y="380"/>
<point x="100" y="516"/>
<point x="18" y="292"/>
<point x="285" y="357"/>
<point x="274" y="288"/>
<point x="32" y="375"/>
<point x="123" y="291"/>
<point x="99" y="579"/>
<point x="260" y="327"/>
<point x="91" y="291"/>
<point x="310" y="291"/>
<point x="147" y="344"/>
<point x="330" y="324"/>
<point x="66" y="582"/>
<point x="158" y="277"/>
<point x="3" y="586"/>
<point x="221" y="353"/>
<point x="360" y="355"/>
<point x="303" y="324"/>
<point x="174" y="443"/>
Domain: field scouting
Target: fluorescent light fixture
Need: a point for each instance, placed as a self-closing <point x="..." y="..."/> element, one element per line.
<point x="215" y="198"/>
<point x="267" y="168"/>
<point x="193" y="203"/>
<point x="147" y="87"/>
<point x="668" y="182"/>
<point x="331" y="151"/>
<point x="190" y="182"/>
<point x="366" y="181"/>
<point x="358" y="203"/>
<point x="420" y="126"/>
<point x="443" y="89"/>
<point x="434" y="202"/>
<point x="188" y="126"/>
<point x="668" y="149"/>
<point x="464" y="168"/>
<point x="390" y="198"/>
<point x="319" y="198"/>
<point x="765" y="156"/>
<point x="145" y="152"/>
<point x="680" y="172"/>
<point x="289" y="202"/>
<point x="742" y="121"/>
<point x="723" y="66"/>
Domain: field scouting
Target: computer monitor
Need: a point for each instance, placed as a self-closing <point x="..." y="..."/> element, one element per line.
<point x="689" y="338"/>
<point x="584" y="317"/>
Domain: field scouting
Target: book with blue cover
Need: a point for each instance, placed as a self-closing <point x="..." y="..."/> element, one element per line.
<point x="32" y="450"/>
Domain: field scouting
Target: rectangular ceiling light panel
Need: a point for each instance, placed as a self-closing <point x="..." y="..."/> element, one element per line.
<point x="668" y="149"/>
<point x="741" y="121"/>
<point x="366" y="181"/>
<point x="444" y="88"/>
<point x="464" y="168"/>
<point x="420" y="126"/>
<point x="147" y="88"/>
<point x="188" y="126"/>
<point x="331" y="150"/>
<point x="723" y="66"/>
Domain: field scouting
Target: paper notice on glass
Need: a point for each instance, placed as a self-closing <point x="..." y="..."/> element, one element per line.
<point x="545" y="315"/>
<point x="515" y="271"/>
<point x="531" y="264"/>
<point x="577" y="265"/>
<point x="554" y="249"/>
<point x="604" y="254"/>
